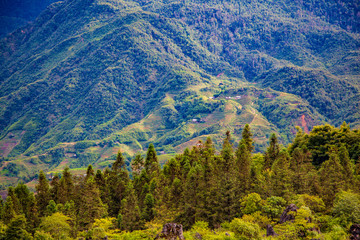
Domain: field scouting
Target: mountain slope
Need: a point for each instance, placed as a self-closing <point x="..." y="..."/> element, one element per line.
<point x="90" y="77"/>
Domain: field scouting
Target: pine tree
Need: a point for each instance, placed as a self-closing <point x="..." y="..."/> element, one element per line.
<point x="28" y="206"/>
<point x="247" y="138"/>
<point x="152" y="166"/>
<point x="91" y="207"/>
<point x="16" y="203"/>
<point x="348" y="167"/>
<point x="137" y="164"/>
<point x="304" y="175"/>
<point x="16" y="229"/>
<point x="281" y="181"/>
<point x="55" y="187"/>
<point x="51" y="208"/>
<point x="272" y="152"/>
<point x="227" y="153"/>
<point x="130" y="211"/>
<point x="66" y="187"/>
<point x="9" y="211"/>
<point x="331" y="178"/>
<point x="116" y="183"/>
<point x="149" y="207"/>
<point x="243" y="171"/>
<point x="89" y="172"/>
<point x="23" y="195"/>
<point x="119" y="164"/>
<point x="32" y="216"/>
<point x="42" y="193"/>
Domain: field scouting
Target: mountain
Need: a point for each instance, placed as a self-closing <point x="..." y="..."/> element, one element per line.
<point x="17" y="13"/>
<point x="90" y="77"/>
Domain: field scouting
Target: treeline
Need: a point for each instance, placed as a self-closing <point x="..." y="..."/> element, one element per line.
<point x="234" y="190"/>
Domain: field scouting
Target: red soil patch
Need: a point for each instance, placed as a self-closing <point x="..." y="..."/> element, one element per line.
<point x="303" y="124"/>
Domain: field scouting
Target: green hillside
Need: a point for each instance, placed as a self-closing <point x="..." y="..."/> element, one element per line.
<point x="90" y="77"/>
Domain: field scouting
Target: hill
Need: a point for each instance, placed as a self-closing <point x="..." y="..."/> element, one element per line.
<point x="90" y="77"/>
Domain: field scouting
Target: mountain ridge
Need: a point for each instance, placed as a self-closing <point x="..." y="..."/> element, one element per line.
<point x="109" y="74"/>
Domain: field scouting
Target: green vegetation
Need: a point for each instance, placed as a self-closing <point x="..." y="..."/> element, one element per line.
<point x="89" y="77"/>
<point x="231" y="194"/>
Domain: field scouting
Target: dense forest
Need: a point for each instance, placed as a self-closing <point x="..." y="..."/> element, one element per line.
<point x="228" y="194"/>
<point x="89" y="77"/>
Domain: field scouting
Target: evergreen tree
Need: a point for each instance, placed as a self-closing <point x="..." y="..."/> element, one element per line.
<point x="9" y="211"/>
<point x="331" y="178"/>
<point x="16" y="229"/>
<point x="89" y="172"/>
<point x="119" y="164"/>
<point x="149" y="207"/>
<point x="272" y="152"/>
<point x="243" y="170"/>
<point x="151" y="166"/>
<point x="247" y="138"/>
<point x="23" y="195"/>
<point x="348" y="167"/>
<point x="304" y="176"/>
<point x="227" y="153"/>
<point x="42" y="193"/>
<point x="281" y="181"/>
<point x="137" y="164"/>
<point x="66" y="187"/>
<point x="32" y="216"/>
<point x="1" y="208"/>
<point x="55" y="187"/>
<point x="116" y="182"/>
<point x="130" y="211"/>
<point x="91" y="207"/>
<point x="51" y="208"/>
<point x="16" y="203"/>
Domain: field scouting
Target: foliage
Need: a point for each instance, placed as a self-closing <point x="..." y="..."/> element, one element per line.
<point x="347" y="207"/>
<point x="57" y="225"/>
<point x="245" y="230"/>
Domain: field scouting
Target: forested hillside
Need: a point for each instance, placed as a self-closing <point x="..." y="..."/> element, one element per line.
<point x="309" y="190"/>
<point x="18" y="13"/>
<point x="88" y="77"/>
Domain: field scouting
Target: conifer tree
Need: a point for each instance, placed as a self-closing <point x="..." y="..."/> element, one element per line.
<point x="243" y="171"/>
<point x="247" y="138"/>
<point x="227" y="153"/>
<point x="331" y="178"/>
<point x="28" y="206"/>
<point x="130" y="211"/>
<point x="281" y="181"/>
<point x="42" y="193"/>
<point x="17" y="229"/>
<point x="192" y="209"/>
<point x="1" y="208"/>
<point x="272" y="152"/>
<point x="55" y="187"/>
<point x="9" y="211"/>
<point x="16" y="203"/>
<point x="89" y="172"/>
<point x="51" y="208"/>
<point x="91" y="207"/>
<point x="348" y="167"/>
<point x="116" y="183"/>
<point x="32" y="216"/>
<point x="23" y="195"/>
<point x="119" y="164"/>
<point x="149" y="207"/>
<point x="137" y="164"/>
<point x="152" y="166"/>
<point x="66" y="187"/>
<point x="304" y="176"/>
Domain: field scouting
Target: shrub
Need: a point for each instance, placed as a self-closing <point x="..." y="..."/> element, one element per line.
<point x="245" y="230"/>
